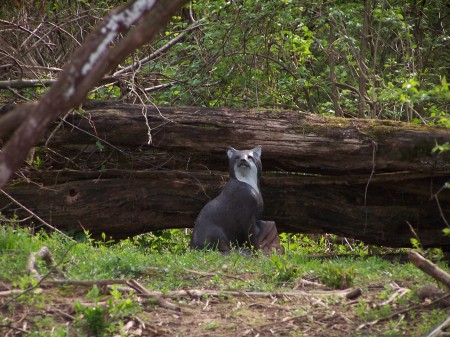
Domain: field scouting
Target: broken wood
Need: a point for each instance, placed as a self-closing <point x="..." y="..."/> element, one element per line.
<point x="429" y="268"/>
<point x="363" y="179"/>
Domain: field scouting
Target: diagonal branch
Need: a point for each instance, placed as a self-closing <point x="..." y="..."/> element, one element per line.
<point x="87" y="66"/>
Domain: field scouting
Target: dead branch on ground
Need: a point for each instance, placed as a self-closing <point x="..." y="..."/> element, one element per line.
<point x="198" y="293"/>
<point x="141" y="290"/>
<point x="429" y="268"/>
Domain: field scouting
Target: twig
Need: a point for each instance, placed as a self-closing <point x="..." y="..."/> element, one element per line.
<point x="35" y="215"/>
<point x="41" y="280"/>
<point x="26" y="83"/>
<point x="2" y="219"/>
<point x="399" y="292"/>
<point x="83" y="283"/>
<point x="157" y="297"/>
<point x="158" y="52"/>
<point x="9" y="326"/>
<point x="374" y="152"/>
<point x="441" y="329"/>
<point x="406" y="310"/>
<point x="10" y="292"/>
<point x="62" y="313"/>
<point x="57" y="127"/>
<point x="440" y="210"/>
<point x="283" y="321"/>
<point x="115" y="147"/>
<point x="413" y="231"/>
<point x="202" y="273"/>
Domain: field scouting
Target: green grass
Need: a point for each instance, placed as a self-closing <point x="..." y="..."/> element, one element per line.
<point x="170" y="257"/>
<point x="162" y="261"/>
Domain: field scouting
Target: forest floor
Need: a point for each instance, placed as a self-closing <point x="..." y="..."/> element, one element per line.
<point x="304" y="311"/>
<point x="102" y="289"/>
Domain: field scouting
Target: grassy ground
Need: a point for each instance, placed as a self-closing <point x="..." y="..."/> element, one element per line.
<point x="296" y="294"/>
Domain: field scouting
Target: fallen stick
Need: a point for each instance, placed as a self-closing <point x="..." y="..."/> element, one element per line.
<point x="441" y="330"/>
<point x="142" y="291"/>
<point x="400" y="312"/>
<point x="196" y="293"/>
<point x="82" y="283"/>
<point x="10" y="292"/>
<point x="350" y="293"/>
<point x="429" y="268"/>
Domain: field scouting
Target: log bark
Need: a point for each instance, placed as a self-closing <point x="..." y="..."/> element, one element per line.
<point x="357" y="178"/>
<point x="429" y="268"/>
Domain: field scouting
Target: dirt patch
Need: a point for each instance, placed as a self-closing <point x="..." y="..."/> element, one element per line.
<point x="309" y="312"/>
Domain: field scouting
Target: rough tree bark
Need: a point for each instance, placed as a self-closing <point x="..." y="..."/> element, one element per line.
<point x="358" y="178"/>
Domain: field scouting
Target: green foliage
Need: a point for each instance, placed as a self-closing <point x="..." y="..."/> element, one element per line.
<point x="275" y="54"/>
<point x="99" y="145"/>
<point x="15" y="246"/>
<point x="446" y="231"/>
<point x="261" y="54"/>
<point x="441" y="148"/>
<point x="337" y="275"/>
<point x="100" y="319"/>
<point x="322" y="244"/>
<point x="93" y="317"/>
<point x="161" y="267"/>
<point x="283" y="269"/>
<point x="415" y="243"/>
<point x="175" y="241"/>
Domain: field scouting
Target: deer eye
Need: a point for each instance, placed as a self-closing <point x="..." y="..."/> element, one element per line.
<point x="251" y="158"/>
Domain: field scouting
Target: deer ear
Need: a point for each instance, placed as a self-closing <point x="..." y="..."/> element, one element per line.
<point x="257" y="150"/>
<point x="230" y="152"/>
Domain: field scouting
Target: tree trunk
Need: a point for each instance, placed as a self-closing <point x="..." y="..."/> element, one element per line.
<point x="364" y="179"/>
<point x="362" y="60"/>
<point x="332" y="56"/>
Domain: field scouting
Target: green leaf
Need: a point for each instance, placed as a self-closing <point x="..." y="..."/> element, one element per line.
<point x="99" y="145"/>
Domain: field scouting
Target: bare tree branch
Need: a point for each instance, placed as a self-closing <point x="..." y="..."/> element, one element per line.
<point x="157" y="52"/>
<point x="87" y="66"/>
<point x="25" y="83"/>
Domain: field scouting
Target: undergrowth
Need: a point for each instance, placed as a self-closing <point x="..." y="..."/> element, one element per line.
<point x="163" y="262"/>
<point x="165" y="254"/>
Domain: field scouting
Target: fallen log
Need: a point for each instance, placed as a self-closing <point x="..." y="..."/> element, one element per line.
<point x="195" y="139"/>
<point x="357" y="178"/>
<point x="429" y="268"/>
